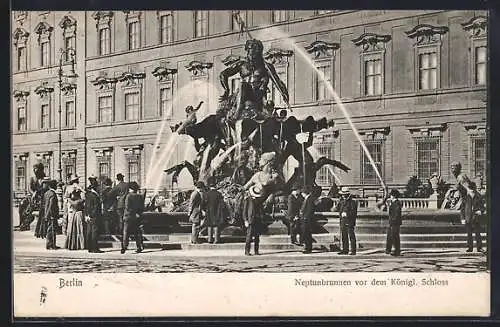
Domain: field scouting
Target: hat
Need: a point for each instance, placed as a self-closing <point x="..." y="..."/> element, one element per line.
<point x="344" y="190"/>
<point x="267" y="158"/>
<point x="75" y="178"/>
<point x="200" y="185"/>
<point x="46" y="179"/>
<point x="256" y="191"/>
<point x="119" y="176"/>
<point x="92" y="178"/>
<point x="108" y="182"/>
<point x="456" y="163"/>
<point x="52" y="183"/>
<point x="133" y="186"/>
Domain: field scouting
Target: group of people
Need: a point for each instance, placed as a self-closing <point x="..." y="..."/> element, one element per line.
<point x="89" y="212"/>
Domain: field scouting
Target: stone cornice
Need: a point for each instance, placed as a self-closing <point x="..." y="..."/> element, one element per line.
<point x="425" y="33"/>
<point x="322" y="48"/>
<point x="197" y="67"/>
<point x="43" y="28"/>
<point x="277" y="56"/>
<point x="104" y="81"/>
<point x="131" y="78"/>
<point x="68" y="88"/>
<point x="44" y="90"/>
<point x="477" y="26"/>
<point x="20" y="33"/>
<point x="20" y="95"/>
<point x="163" y="73"/>
<point x="371" y="41"/>
<point x="66" y="22"/>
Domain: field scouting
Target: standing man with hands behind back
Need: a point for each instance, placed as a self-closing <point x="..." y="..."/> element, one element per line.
<point x="348" y="211"/>
<point x="120" y="191"/>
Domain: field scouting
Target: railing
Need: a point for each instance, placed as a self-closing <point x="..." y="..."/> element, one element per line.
<point x="407" y="203"/>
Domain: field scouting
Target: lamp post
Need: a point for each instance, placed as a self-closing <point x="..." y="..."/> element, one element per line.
<point x="60" y="75"/>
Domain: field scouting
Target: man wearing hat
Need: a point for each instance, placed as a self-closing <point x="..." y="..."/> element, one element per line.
<point x="214" y="205"/>
<point x="51" y="213"/>
<point x="307" y="215"/>
<point x="92" y="217"/>
<point x="134" y="207"/>
<point x="41" y="224"/>
<point x="108" y="210"/>
<point x="119" y="192"/>
<point x="348" y="211"/>
<point x="252" y="217"/>
<point x="293" y="211"/>
<point x="463" y="186"/>
<point x="394" y="207"/>
<point x="196" y="203"/>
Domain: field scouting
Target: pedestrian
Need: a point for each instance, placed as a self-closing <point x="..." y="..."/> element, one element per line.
<point x="252" y="217"/>
<point x="51" y="214"/>
<point x="463" y="186"/>
<point x="348" y="211"/>
<point x="75" y="237"/>
<point x="195" y="211"/>
<point x="93" y="215"/>
<point x="120" y="190"/>
<point x="293" y="211"/>
<point x="214" y="205"/>
<point x="394" y="207"/>
<point x="74" y="184"/>
<point x="134" y="207"/>
<point x="41" y="224"/>
<point x="474" y="225"/>
<point x="108" y="208"/>
<point x="307" y="215"/>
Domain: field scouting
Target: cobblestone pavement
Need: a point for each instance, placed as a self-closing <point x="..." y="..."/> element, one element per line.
<point x="30" y="256"/>
<point x="27" y="264"/>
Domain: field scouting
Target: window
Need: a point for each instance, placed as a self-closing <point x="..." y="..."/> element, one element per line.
<point x="21" y="118"/>
<point x="69" y="162"/>
<point x="21" y="58"/>
<point x="321" y="85"/>
<point x="133" y="171"/>
<point x="427" y="157"/>
<point x="21" y="175"/>
<point x="70" y="43"/>
<point x="133" y="35"/>
<point x="201" y="23"/>
<point x="46" y="159"/>
<point x="373" y="77"/>
<point x="427" y="65"/>
<point x="479" y="155"/>
<point x="132" y="106"/>
<point x="166" y="28"/>
<point x="44" y="54"/>
<point x="368" y="173"/>
<point x="105" y="105"/>
<point x="324" y="176"/>
<point x="45" y="118"/>
<point x="70" y="114"/>
<point x="166" y="108"/>
<point x="279" y="16"/>
<point x="104" y="41"/>
<point x="480" y="76"/>
<point x="104" y="170"/>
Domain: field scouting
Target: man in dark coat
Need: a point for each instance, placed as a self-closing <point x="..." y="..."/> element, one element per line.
<point x="134" y="207"/>
<point x="92" y="216"/>
<point x="51" y="214"/>
<point x="467" y="194"/>
<point x="119" y="192"/>
<point x="394" y="207"/>
<point x="348" y="211"/>
<point x="252" y="216"/>
<point x="214" y="205"/>
<point x="195" y="211"/>
<point x="108" y="208"/>
<point x="292" y="214"/>
<point x="307" y="215"/>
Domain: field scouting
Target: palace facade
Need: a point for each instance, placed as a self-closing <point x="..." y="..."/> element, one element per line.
<point x="413" y="82"/>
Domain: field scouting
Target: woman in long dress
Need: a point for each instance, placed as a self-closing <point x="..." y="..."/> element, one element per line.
<point x="75" y="234"/>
